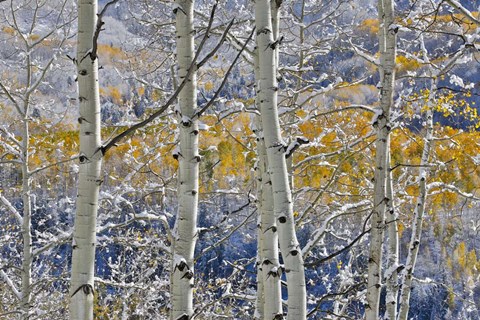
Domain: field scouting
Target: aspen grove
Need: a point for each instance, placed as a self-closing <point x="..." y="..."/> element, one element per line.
<point x="267" y="159"/>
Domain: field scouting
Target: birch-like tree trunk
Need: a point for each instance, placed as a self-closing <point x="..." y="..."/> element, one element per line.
<point x="275" y="146"/>
<point x="417" y="224"/>
<point x="84" y="236"/>
<point x="269" y="264"/>
<point x="391" y="275"/>
<point x="27" y="258"/>
<point x="419" y="211"/>
<point x="260" y="298"/>
<point x="414" y="245"/>
<point x="381" y="122"/>
<point x="27" y="220"/>
<point x="188" y="158"/>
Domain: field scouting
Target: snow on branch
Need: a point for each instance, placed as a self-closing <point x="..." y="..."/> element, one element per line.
<point x="451" y="188"/>
<point x="10" y="136"/>
<point x="323" y="156"/>
<point x="11" y="98"/>
<point x="66" y="237"/>
<point x="294" y="145"/>
<point x="364" y="54"/>
<point x="318" y="234"/>
<point x="12" y="209"/>
<point x="458" y="6"/>
<point x="10" y="284"/>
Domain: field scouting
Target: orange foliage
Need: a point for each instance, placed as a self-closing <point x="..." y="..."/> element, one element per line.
<point x="370" y="25"/>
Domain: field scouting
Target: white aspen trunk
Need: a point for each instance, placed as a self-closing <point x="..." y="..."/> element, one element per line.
<point x="270" y="263"/>
<point x="260" y="298"/>
<point x="27" y="258"/>
<point x="283" y="206"/>
<point x="387" y="46"/>
<point x="419" y="211"/>
<point x="391" y="275"/>
<point x="84" y="236"/>
<point x="185" y="231"/>
<point x="27" y="222"/>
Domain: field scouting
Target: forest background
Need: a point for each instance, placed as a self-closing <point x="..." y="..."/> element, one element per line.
<point x="329" y="94"/>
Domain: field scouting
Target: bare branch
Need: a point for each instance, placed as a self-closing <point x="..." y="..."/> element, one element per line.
<point x="10" y="284"/>
<point x="53" y="165"/>
<point x="172" y="99"/>
<point x="215" y="96"/>
<point x="98" y="29"/>
<point x="11" y="98"/>
<point x="12" y="209"/>
<point x="457" y="5"/>
<point x="220" y="42"/>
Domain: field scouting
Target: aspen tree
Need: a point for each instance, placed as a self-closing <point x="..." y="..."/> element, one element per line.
<point x="381" y="122"/>
<point x="188" y="157"/>
<point x="282" y="198"/>
<point x="391" y="275"/>
<point x="20" y="148"/>
<point x="90" y="158"/>
<point x="268" y="237"/>
<point x="423" y="170"/>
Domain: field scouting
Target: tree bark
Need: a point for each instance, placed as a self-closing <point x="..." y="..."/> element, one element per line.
<point x="391" y="275"/>
<point x="418" y="213"/>
<point x="186" y="222"/>
<point x="84" y="237"/>
<point x="275" y="146"/>
<point x="270" y="264"/>
<point x="27" y="221"/>
<point x="387" y="46"/>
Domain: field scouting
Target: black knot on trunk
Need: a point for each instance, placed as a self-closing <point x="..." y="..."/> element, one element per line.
<point x="188" y="275"/>
<point x="282" y="219"/>
<point x="181" y="265"/>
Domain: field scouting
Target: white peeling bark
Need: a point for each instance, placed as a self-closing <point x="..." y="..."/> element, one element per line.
<point x="283" y="206"/>
<point x="84" y="236"/>
<point x="387" y="40"/>
<point x="186" y="222"/>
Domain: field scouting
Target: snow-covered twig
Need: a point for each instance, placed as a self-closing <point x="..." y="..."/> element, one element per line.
<point x="318" y="234"/>
<point x="12" y="209"/>
<point x="10" y="284"/>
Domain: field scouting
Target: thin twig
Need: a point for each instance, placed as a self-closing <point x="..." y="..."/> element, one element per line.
<point x="199" y="113"/>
